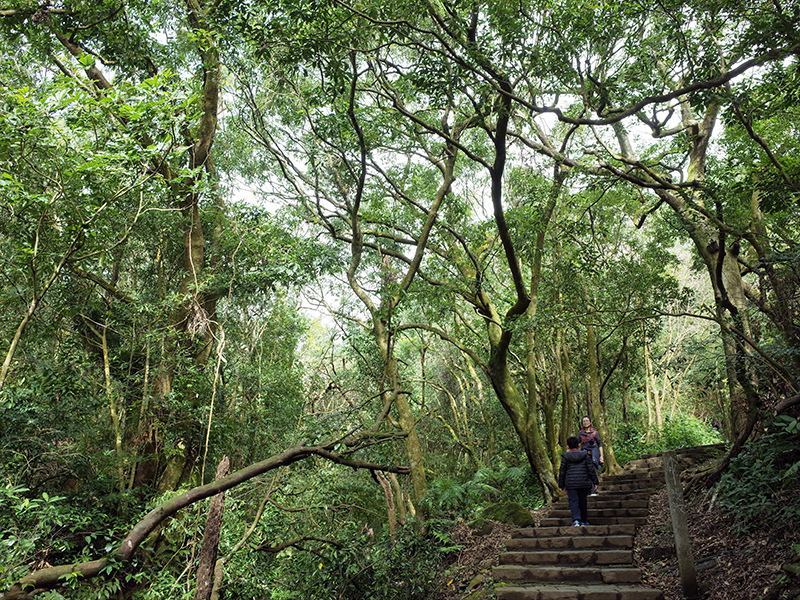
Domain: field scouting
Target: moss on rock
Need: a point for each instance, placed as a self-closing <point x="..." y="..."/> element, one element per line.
<point x="511" y="513"/>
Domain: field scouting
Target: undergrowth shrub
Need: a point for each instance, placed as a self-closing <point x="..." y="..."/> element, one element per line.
<point x="629" y="443"/>
<point x="761" y="484"/>
<point x="681" y="430"/>
<point x="447" y="498"/>
<point x="360" y="568"/>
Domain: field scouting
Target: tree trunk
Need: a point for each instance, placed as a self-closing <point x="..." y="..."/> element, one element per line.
<point x="207" y="561"/>
<point x="526" y="425"/>
<point x="391" y="514"/>
<point x="116" y="412"/>
<point x="597" y="407"/>
<point x="381" y="315"/>
<point x="196" y="317"/>
<point x="709" y="238"/>
<point x="545" y="464"/>
<point x="33" y="305"/>
<point x="549" y="397"/>
<point x="399" y="495"/>
<point x="567" y="412"/>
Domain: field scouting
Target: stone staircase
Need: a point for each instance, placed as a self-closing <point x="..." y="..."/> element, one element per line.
<point x="558" y="561"/>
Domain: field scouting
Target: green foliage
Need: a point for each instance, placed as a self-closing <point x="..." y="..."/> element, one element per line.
<point x="683" y="430"/>
<point x="760" y="487"/>
<point x="450" y="499"/>
<point x="25" y="522"/>
<point x="790" y="425"/>
<point x="82" y="178"/>
<point x="59" y="529"/>
<point x="511" y="513"/>
<point x="398" y="571"/>
<point x="360" y="568"/>
<point x="629" y="443"/>
<point x="680" y="430"/>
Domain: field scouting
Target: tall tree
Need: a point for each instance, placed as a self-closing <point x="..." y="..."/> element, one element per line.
<point x="683" y="104"/>
<point x="91" y="46"/>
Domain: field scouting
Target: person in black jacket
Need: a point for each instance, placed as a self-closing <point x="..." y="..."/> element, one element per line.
<point x="578" y="476"/>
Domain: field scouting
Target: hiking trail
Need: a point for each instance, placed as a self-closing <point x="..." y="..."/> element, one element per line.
<point x="559" y="561"/>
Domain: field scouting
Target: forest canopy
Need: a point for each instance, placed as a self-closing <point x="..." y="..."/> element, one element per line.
<point x="289" y="286"/>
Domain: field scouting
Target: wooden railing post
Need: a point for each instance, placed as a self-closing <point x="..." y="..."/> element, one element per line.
<point x="680" y="527"/>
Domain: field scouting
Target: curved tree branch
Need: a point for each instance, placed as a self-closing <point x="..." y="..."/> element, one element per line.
<point x="50" y="577"/>
<point x="786" y="403"/>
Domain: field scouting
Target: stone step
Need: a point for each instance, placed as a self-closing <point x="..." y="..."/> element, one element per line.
<point x="635" y="478"/>
<point x="617" y="496"/>
<point x="557" y="561"/>
<point x="653" y="466"/>
<point x="615" y="492"/>
<point x="570" y="531"/>
<point x="655" y="462"/>
<point x="567" y="574"/>
<point x="577" y="592"/>
<point x="591" y="556"/>
<point x="630" y="489"/>
<point x="566" y="522"/>
<point x="599" y="502"/>
<point x="702" y="452"/>
<point x="657" y="476"/>
<point x="630" y="492"/>
<point x="635" y="485"/>
<point x="601" y="512"/>
<point x="598" y="515"/>
<point x="574" y="541"/>
<point x="629" y="476"/>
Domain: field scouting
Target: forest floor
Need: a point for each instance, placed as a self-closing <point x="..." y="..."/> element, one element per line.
<point x="730" y="566"/>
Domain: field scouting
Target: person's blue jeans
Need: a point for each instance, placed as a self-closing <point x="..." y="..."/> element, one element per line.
<point x="578" y="504"/>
